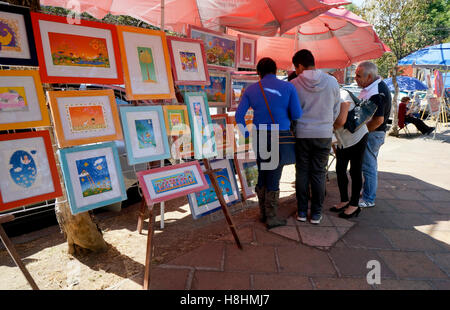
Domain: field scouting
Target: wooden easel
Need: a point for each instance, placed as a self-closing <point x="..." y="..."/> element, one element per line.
<point x="12" y="251"/>
<point x="149" y="253"/>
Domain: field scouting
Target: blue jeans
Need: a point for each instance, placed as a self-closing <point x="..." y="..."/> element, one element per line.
<point x="370" y="165"/>
<point x="270" y="179"/>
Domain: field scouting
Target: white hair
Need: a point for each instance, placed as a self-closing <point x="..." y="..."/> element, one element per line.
<point x="368" y="68"/>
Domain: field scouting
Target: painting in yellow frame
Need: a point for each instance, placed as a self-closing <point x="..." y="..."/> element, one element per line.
<point x="85" y="116"/>
<point x="22" y="100"/>
<point x="146" y="61"/>
<point x="176" y="115"/>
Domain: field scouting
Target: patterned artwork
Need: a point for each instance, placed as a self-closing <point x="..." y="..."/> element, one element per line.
<point x="93" y="176"/>
<point x="9" y="35"/>
<point x="219" y="51"/>
<point x="75" y="50"/>
<point x="23" y="168"/>
<point x="86" y="117"/>
<point x="13" y="99"/>
<point x="147" y="64"/>
<point x="174" y="182"/>
<point x="209" y="195"/>
<point x="176" y="119"/>
<point x="188" y="62"/>
<point x="251" y="173"/>
<point x="145" y="133"/>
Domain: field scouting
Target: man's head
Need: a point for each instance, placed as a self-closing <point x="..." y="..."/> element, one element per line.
<point x="366" y="74"/>
<point x="303" y="60"/>
<point x="265" y="66"/>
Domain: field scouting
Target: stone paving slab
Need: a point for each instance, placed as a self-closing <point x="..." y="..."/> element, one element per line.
<point x="281" y="282"/>
<point x="305" y="260"/>
<point x="213" y="280"/>
<point x="341" y="284"/>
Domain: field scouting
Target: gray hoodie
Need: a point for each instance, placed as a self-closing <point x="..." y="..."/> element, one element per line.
<point x="319" y="96"/>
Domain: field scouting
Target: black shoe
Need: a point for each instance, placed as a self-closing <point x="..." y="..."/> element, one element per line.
<point x="347" y="216"/>
<point x="431" y="130"/>
<point x="334" y="209"/>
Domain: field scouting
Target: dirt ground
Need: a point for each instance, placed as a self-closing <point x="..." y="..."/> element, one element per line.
<point x="46" y="257"/>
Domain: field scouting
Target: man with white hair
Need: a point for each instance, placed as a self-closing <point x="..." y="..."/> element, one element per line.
<point x="376" y="91"/>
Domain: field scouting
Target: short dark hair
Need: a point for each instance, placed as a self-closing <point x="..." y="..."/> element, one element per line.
<point x="303" y="57"/>
<point x="405" y="99"/>
<point x="265" y="66"/>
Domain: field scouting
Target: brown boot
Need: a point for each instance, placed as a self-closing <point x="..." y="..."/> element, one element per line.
<point x="271" y="205"/>
<point x="261" y="193"/>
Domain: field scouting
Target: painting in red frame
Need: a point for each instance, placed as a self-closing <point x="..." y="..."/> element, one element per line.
<point x="95" y="60"/>
<point x="188" y="59"/>
<point x="27" y="177"/>
<point x="246" y="52"/>
<point x="220" y="48"/>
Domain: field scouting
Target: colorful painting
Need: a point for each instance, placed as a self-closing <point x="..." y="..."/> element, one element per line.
<point x="145" y="133"/>
<point x="23" y="168"/>
<point x="188" y="62"/>
<point x="238" y="87"/>
<point x="147" y="64"/>
<point x="9" y="35"/>
<point x="86" y="117"/>
<point x="220" y="51"/>
<point x="217" y="91"/>
<point x="174" y="182"/>
<point x="13" y="99"/>
<point x="209" y="195"/>
<point x="93" y="175"/>
<point x="251" y="173"/>
<point x="247" y="51"/>
<point x="220" y="131"/>
<point x="176" y="119"/>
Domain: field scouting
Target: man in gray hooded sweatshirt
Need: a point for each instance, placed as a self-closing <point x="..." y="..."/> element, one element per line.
<point x="319" y="96"/>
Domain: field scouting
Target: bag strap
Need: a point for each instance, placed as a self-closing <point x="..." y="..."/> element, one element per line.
<point x="355" y="99"/>
<point x="267" y="104"/>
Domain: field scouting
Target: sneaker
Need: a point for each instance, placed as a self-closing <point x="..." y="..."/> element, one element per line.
<point x="365" y="204"/>
<point x="301" y="217"/>
<point x="316" y="218"/>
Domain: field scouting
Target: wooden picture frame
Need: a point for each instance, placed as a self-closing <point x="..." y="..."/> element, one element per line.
<point x="202" y="132"/>
<point x="29" y="173"/>
<point x="22" y="100"/>
<point x="146" y="63"/>
<point x="224" y="58"/>
<point x="18" y="49"/>
<point x="243" y="144"/>
<point x="188" y="60"/>
<point x="85" y="116"/>
<point x="205" y="202"/>
<point x="247" y="170"/>
<point x="171" y="182"/>
<point x="177" y="119"/>
<point x="247" y="52"/>
<point x="217" y="92"/>
<point x="224" y="138"/>
<point x="79" y="53"/>
<point x="239" y="84"/>
<point x="145" y="134"/>
<point x="93" y="176"/>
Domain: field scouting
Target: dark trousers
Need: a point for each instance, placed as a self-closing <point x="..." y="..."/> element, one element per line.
<point x="311" y="167"/>
<point x="420" y="125"/>
<point x="354" y="155"/>
<point x="270" y="179"/>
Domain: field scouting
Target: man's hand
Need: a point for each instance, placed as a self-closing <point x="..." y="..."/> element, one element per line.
<point x="375" y="122"/>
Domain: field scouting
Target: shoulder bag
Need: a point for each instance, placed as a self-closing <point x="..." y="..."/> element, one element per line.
<point x="360" y="114"/>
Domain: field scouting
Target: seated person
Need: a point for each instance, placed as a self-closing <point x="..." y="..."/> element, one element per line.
<point x="405" y="116"/>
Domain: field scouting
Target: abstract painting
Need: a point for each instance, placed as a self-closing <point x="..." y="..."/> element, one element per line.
<point x="146" y="62"/>
<point x="170" y="182"/>
<point x="22" y="100"/>
<point x="28" y="172"/>
<point x="145" y="133"/>
<point x="93" y="176"/>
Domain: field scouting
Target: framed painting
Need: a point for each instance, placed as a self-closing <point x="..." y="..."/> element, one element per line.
<point x="243" y="144"/>
<point x="93" y="176"/>
<point x="220" y="48"/>
<point x="223" y="135"/>
<point x="145" y="134"/>
<point x="217" y="92"/>
<point x="170" y="182"/>
<point x="247" y="170"/>
<point x="206" y="201"/>
<point x="85" y="116"/>
<point x="16" y="37"/>
<point x="22" y="100"/>
<point x="146" y="63"/>
<point x="80" y="53"/>
<point x="28" y="172"/>
<point x="181" y="147"/>
<point x="239" y="84"/>
<point x="176" y="118"/>
<point x="202" y="129"/>
<point x="246" y="52"/>
<point x="188" y="60"/>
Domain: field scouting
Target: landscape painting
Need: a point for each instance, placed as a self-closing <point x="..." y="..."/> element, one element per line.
<point x="86" y="117"/>
<point x="75" y="50"/>
<point x="13" y="99"/>
<point x="251" y="173"/>
<point x="209" y="195"/>
<point x="145" y="133"/>
<point x="23" y="168"/>
<point x="94" y="176"/>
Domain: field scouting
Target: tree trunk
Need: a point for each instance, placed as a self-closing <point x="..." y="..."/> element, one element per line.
<point x="395" y="129"/>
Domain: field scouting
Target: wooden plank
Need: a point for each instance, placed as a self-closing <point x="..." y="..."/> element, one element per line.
<point x="6" y="218"/>
<point x="149" y="253"/>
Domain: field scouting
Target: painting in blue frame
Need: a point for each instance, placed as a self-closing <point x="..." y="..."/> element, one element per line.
<point x="202" y="131"/>
<point x="93" y="176"/>
<point x="145" y="134"/>
<point x="206" y="201"/>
